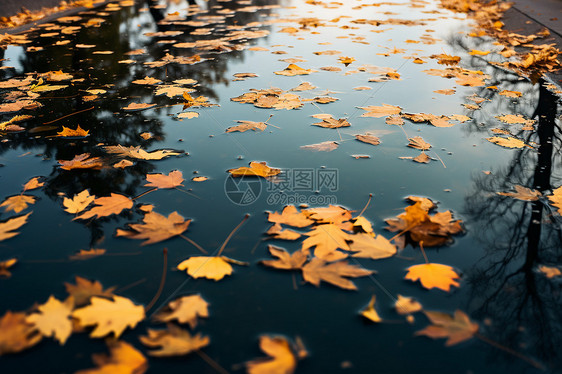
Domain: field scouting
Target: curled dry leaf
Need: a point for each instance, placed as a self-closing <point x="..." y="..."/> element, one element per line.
<point x="184" y="309"/>
<point x="417" y="142"/>
<point x="174" y="341"/>
<point x="456" y="328"/>
<point x="433" y="276"/>
<point x="370" y="313"/>
<point x="17" y="335"/>
<point x="109" y="316"/>
<point x="281" y="360"/>
<point x="369" y="139"/>
<point x="156" y="228"/>
<point x="123" y="358"/>
<point x="259" y="169"/>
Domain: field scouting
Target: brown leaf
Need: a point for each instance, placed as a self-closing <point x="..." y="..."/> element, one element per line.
<point x="321" y="147"/>
<point x="367" y="138"/>
<point x="17" y="335"/>
<point x="456" y="329"/>
<point x="84" y="289"/>
<point x="156" y="228"/>
<point x="418" y="143"/>
<point x="173" y="342"/>
<point x="285" y="260"/>
<point x="334" y="273"/>
<point x="333" y="123"/>
<point x="522" y="193"/>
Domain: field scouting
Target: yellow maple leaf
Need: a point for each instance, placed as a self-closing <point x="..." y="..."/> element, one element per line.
<point x="109" y="316"/>
<point x="290" y="216"/>
<point x="335" y="273"/>
<point x="207" y="267"/>
<point x="7" y="227"/>
<point x="293" y="70"/>
<point x="172" y="180"/>
<point x="156" y="228"/>
<point x="368" y="246"/>
<point x="327" y="239"/>
<point x="108" y="205"/>
<point x="17" y="203"/>
<point x="184" y="309"/>
<point x="78" y="203"/>
<point x="53" y="318"/>
<point x="433" y="276"/>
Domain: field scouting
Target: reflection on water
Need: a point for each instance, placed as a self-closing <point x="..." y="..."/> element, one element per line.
<point x="506" y="238"/>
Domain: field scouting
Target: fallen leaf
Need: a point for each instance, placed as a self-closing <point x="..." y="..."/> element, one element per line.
<point x="147" y="80"/>
<point x="109" y="316"/>
<point x="86" y="254"/>
<point x="281" y="358"/>
<point x="141" y="154"/>
<point x="334" y="273"/>
<point x="522" y="193"/>
<point x="156" y="228"/>
<point x="188" y="115"/>
<point x="123" y="164"/>
<point x="7" y="227"/>
<point x="184" y="309"/>
<point x="68" y="132"/>
<point x="418" y="143"/>
<point x="78" y="203"/>
<point x="405" y="305"/>
<point x="293" y="70"/>
<point x="32" y="184"/>
<point x="256" y="168"/>
<point x="550" y="271"/>
<point x="321" y="147"/>
<point x="327" y="239"/>
<point x="290" y="216"/>
<point x="555" y="199"/>
<point x="508" y="142"/>
<point x="172" y="180"/>
<point x="134" y="107"/>
<point x="173" y="342"/>
<point x="380" y="111"/>
<point x="433" y="276"/>
<point x="53" y="319"/>
<point x="17" y="203"/>
<point x="509" y="93"/>
<point x="333" y="123"/>
<point x="367" y="138"/>
<point x="207" y="267"/>
<point x="456" y="328"/>
<point x="108" y="205"/>
<point x="367" y="246"/>
<point x="17" y="335"/>
<point x="5" y="265"/>
<point x="247" y="125"/>
<point x="370" y="313"/>
<point x="123" y="359"/>
<point x="84" y="289"/>
<point x="82" y="161"/>
<point x="285" y="260"/>
<point x="394" y="120"/>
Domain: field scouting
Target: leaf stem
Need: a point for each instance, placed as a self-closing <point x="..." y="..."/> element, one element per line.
<point x="423" y="252"/>
<point x="145" y="193"/>
<point x="68" y="115"/>
<point x="193" y="243"/>
<point x="231" y="234"/>
<point x="162" y="281"/>
<point x="510" y="351"/>
<point x="366" y="205"/>
<point x="212" y="363"/>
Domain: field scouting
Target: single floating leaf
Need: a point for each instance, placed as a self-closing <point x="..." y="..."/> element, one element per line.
<point x="321" y="147"/>
<point x="456" y="329"/>
<point x="184" y="309"/>
<point x="259" y="169"/>
<point x="172" y="180"/>
<point x="123" y="359"/>
<point x="84" y="289"/>
<point x="109" y="316"/>
<point x="369" y="246"/>
<point x="215" y="268"/>
<point x="380" y="111"/>
<point x="285" y="261"/>
<point x="508" y="142"/>
<point x="334" y="273"/>
<point x="327" y="239"/>
<point x="78" y="203"/>
<point x="5" y="265"/>
<point x="106" y="206"/>
<point x="370" y="313"/>
<point x="7" y="227"/>
<point x="173" y="342"/>
<point x="82" y="161"/>
<point x="290" y="216"/>
<point x="282" y="359"/>
<point x="53" y="319"/>
<point x="156" y="228"/>
<point x="17" y="335"/>
<point x="17" y="203"/>
<point x="522" y="193"/>
<point x="433" y="276"/>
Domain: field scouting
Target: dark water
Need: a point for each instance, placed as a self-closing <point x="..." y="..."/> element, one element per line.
<point x="506" y="239"/>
